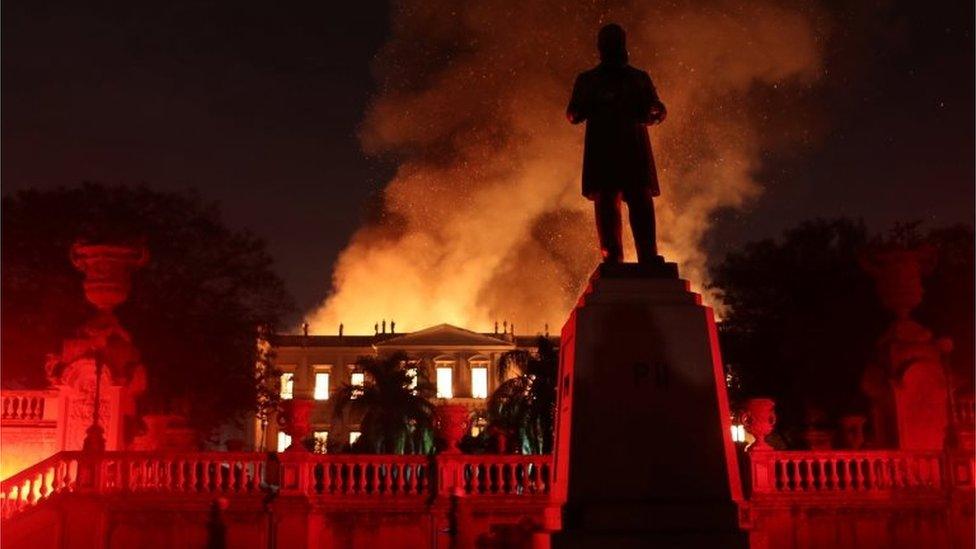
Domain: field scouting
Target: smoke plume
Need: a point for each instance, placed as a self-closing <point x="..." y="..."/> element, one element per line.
<point x="484" y="220"/>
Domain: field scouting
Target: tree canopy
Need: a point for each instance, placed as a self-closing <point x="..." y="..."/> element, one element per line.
<point x="524" y="406"/>
<point x="802" y="317"/>
<point x="394" y="404"/>
<point x="193" y="312"/>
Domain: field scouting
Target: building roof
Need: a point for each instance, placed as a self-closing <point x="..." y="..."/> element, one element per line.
<point x="441" y="335"/>
<point x="445" y="335"/>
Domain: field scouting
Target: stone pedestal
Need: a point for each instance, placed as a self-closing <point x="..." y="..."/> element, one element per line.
<point x="644" y="456"/>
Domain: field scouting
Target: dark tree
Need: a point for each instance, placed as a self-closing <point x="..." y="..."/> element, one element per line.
<point x="803" y="319"/>
<point x="524" y="407"/>
<point x="394" y="404"/>
<point x="194" y="310"/>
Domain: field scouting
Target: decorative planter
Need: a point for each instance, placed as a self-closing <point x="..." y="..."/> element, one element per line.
<point x="452" y="425"/>
<point x="108" y="271"/>
<point x="759" y="418"/>
<point x="295" y="419"/>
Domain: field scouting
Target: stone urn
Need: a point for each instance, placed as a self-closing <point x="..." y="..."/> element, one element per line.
<point x="108" y="271"/>
<point x="452" y="424"/>
<point x="851" y="433"/>
<point x="295" y="419"/>
<point x="759" y="418"/>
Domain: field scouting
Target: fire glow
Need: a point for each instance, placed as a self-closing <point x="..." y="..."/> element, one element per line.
<point x="483" y="220"/>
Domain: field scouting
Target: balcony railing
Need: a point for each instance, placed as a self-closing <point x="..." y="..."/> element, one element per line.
<point x="55" y="475"/>
<point x="28" y="406"/>
<point x="825" y="473"/>
<point x="342" y="477"/>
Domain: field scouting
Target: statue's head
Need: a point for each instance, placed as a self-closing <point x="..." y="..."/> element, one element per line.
<point x="612" y="43"/>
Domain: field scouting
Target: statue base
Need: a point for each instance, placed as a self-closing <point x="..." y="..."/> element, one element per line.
<point x="644" y="455"/>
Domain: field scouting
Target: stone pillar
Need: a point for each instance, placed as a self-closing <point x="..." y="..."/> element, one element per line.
<point x="108" y="270"/>
<point x="644" y="455"/>
<point x="910" y="360"/>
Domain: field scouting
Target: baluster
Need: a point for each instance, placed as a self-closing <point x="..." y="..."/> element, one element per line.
<point x="808" y="477"/>
<point x="342" y="478"/>
<point x="869" y="479"/>
<point x="179" y="480"/>
<point x="387" y="470"/>
<point x="862" y="478"/>
<point x="52" y="478"/>
<point x="329" y="477"/>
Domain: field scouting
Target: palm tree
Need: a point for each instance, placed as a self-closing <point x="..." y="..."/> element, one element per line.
<point x="394" y="401"/>
<point x="525" y="406"/>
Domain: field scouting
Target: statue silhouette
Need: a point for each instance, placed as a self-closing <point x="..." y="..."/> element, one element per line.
<point x="618" y="102"/>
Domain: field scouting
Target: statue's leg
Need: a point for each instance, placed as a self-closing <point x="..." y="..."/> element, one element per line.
<point x="608" y="225"/>
<point x="642" y="224"/>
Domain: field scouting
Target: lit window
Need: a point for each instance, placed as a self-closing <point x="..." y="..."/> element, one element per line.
<point x="479" y="382"/>
<point x="445" y="387"/>
<point x="353" y="437"/>
<point x="357" y="380"/>
<point x="284" y="441"/>
<point x="478" y="425"/>
<point x="738" y="433"/>
<point x="321" y="442"/>
<point x="412" y="374"/>
<point x="287" y="385"/>
<point x="321" y="385"/>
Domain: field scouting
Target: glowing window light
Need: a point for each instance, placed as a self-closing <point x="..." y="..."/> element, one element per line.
<point x="445" y="382"/>
<point x="287" y="385"/>
<point x="357" y="380"/>
<point x="479" y="382"/>
<point x="321" y="386"/>
<point x="353" y="437"/>
<point x="284" y="441"/>
<point x="738" y="433"/>
<point x="321" y="442"/>
<point x="412" y="373"/>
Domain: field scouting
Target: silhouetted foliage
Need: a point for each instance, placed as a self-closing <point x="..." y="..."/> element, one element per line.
<point x="394" y="402"/>
<point x="802" y="317"/>
<point x="194" y="309"/>
<point x="524" y="407"/>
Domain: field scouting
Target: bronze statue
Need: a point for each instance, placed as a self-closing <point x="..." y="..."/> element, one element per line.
<point x="618" y="102"/>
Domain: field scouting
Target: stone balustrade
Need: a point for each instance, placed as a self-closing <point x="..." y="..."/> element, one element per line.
<point x="505" y="475"/>
<point x="219" y="473"/>
<point x="29" y="406"/>
<point x="316" y="476"/>
<point x="366" y="475"/>
<point x="55" y="475"/>
<point x="818" y="473"/>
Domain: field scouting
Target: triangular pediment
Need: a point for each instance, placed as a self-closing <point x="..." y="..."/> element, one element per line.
<point x="445" y="335"/>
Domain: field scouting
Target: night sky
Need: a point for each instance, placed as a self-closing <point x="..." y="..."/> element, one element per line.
<point x="258" y="108"/>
